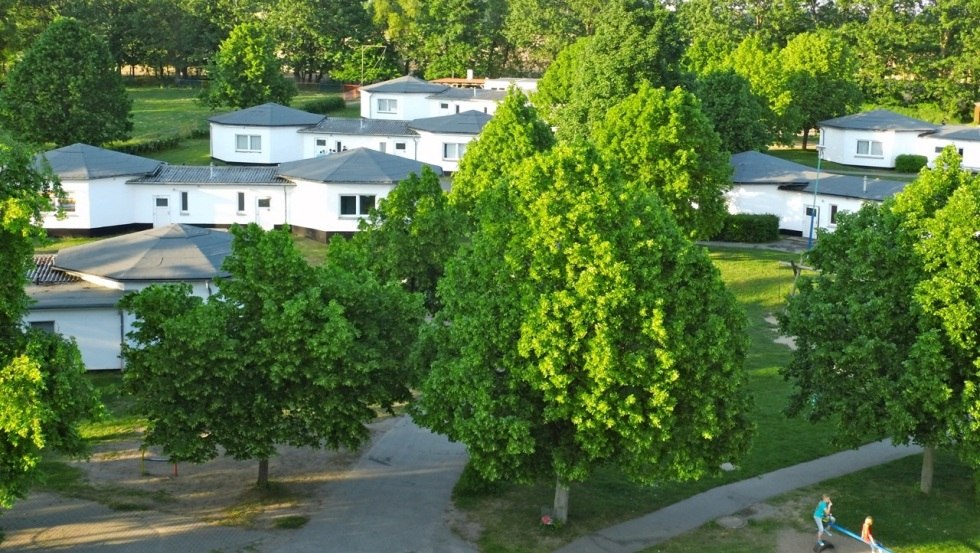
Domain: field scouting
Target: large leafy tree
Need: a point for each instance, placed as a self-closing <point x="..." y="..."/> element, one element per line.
<point x="246" y="71"/>
<point x="45" y="394"/>
<point x="579" y="329"/>
<point x="664" y="144"/>
<point x="886" y="331"/>
<point x="282" y="354"/>
<point x="66" y="89"/>
<point x="741" y="117"/>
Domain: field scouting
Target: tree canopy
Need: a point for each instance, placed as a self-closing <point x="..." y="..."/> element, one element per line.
<point x="283" y="354"/>
<point x="66" y="89"/>
<point x="247" y="72"/>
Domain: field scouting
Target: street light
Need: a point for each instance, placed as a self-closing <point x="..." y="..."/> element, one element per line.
<point x="813" y="208"/>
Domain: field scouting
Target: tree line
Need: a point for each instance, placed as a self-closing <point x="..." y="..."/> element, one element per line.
<point x="904" y="51"/>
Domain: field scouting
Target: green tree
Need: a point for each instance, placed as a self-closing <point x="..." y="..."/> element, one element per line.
<point x="246" y="71"/>
<point x="282" y="354"/>
<point x="760" y="66"/>
<point x="664" y="144"/>
<point x="741" y="117"/>
<point x="885" y="329"/>
<point x="42" y="382"/>
<point x="66" y="89"/>
<point x="819" y="73"/>
<point x="579" y="329"/>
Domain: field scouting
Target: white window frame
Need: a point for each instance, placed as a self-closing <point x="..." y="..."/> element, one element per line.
<point x="453" y="151"/>
<point x="869" y="146"/>
<point x="362" y="206"/>
<point x="248" y="143"/>
<point x="387" y="105"/>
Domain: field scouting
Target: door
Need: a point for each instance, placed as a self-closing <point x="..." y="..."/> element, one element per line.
<point x="161" y="211"/>
<point x="263" y="213"/>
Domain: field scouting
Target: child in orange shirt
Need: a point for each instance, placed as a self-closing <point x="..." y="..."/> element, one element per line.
<point x="866" y="536"/>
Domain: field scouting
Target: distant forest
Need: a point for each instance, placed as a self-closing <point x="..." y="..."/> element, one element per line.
<point x="906" y="52"/>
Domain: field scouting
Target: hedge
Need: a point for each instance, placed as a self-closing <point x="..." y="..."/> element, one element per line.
<point x="910" y="163"/>
<point x="324" y="105"/>
<point x="745" y="227"/>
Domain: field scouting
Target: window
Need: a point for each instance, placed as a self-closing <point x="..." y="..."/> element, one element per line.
<point x="265" y="203"/>
<point x="453" y="151"/>
<point x="939" y="150"/>
<point x="67" y="204"/>
<point x="399" y="146"/>
<point x="184" y="203"/>
<point x="248" y="143"/>
<point x="356" y="205"/>
<point x="46" y="326"/>
<point x="241" y="202"/>
<point x="871" y="148"/>
<point x="443" y="106"/>
<point x="387" y="105"/>
<point x="161" y="201"/>
<point x="833" y="214"/>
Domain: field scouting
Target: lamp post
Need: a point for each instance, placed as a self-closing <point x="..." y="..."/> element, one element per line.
<point x="813" y="208"/>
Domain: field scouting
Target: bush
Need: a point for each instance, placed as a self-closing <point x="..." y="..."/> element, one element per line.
<point x="910" y="163"/>
<point x="745" y="227"/>
<point x="324" y="105"/>
<point x="148" y="146"/>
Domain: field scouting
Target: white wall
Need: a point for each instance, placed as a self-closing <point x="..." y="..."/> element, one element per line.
<point x="278" y="144"/>
<point x="450" y="107"/>
<point x="789" y="206"/>
<point x="98" y="332"/>
<point x="311" y="150"/>
<point x="316" y="205"/>
<point x="971" y="150"/>
<point x="431" y="148"/>
<point x="840" y="146"/>
<point x="211" y="205"/>
<point x="408" y="106"/>
<point x="98" y="203"/>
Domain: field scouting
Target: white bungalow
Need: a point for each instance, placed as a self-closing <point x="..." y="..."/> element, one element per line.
<point x="76" y="292"/>
<point x="339" y="134"/>
<point x="333" y="193"/>
<point x="803" y="199"/>
<point x="260" y="135"/>
<point x="965" y="138"/>
<point x="872" y="138"/>
<point x="401" y="99"/>
<point x="443" y="140"/>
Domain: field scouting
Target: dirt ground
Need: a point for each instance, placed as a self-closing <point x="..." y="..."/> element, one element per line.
<point x="222" y="490"/>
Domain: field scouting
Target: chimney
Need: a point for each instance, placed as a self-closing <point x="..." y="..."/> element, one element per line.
<point x="469" y="75"/>
<point x="865" y="186"/>
<point x="211" y="170"/>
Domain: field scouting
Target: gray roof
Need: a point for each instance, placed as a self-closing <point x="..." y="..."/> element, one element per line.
<point x="84" y="162"/>
<point x="957" y="132"/>
<point x="469" y="122"/>
<point x="755" y="168"/>
<point x="361" y="126"/>
<point x="360" y="165"/>
<point x="173" y="252"/>
<point x="879" y="120"/>
<point x="73" y="295"/>
<point x="43" y="271"/>
<point x="268" y="115"/>
<point x="453" y="93"/>
<point x="219" y="175"/>
<point x="405" y="85"/>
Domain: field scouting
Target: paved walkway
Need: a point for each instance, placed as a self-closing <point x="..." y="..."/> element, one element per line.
<point x="395" y="502"/>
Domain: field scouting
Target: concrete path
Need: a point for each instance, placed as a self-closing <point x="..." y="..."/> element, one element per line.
<point x="659" y="526"/>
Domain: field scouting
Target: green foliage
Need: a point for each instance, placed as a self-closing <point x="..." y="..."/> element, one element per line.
<point x="746" y="227"/>
<point x="910" y="163"/>
<point x="246" y="71"/>
<point x="740" y="116"/>
<point x="282" y="354"/>
<point x="66" y="89"/>
<point x="324" y="105"/>
<point x="664" y="144"/>
<point x="579" y="329"/>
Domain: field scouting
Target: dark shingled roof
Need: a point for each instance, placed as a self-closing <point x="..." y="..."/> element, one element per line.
<point x="268" y="115"/>
<point x="73" y="295"/>
<point x="468" y="122"/>
<point x="173" y="252"/>
<point x="360" y="165"/>
<point x="231" y="175"/>
<point x="850" y="186"/>
<point x="84" y="162"/>
<point x="879" y="120"/>
<point x="752" y="168"/>
<point x="453" y="93"/>
<point x="361" y="126"/>
<point x="405" y="85"/>
<point x="43" y="272"/>
<point x="958" y="132"/>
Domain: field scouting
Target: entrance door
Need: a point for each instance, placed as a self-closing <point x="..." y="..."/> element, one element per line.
<point x="263" y="213"/>
<point x="161" y="211"/>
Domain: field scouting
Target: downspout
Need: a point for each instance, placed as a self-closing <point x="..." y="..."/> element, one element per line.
<point x="122" y="337"/>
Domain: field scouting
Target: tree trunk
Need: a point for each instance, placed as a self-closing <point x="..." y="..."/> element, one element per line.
<point x="928" y="461"/>
<point x="806" y="137"/>
<point x="561" y="502"/>
<point x="263" y="481"/>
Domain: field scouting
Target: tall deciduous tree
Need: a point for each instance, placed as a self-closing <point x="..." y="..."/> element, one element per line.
<point x="664" y="144"/>
<point x="66" y="89"/>
<point x="741" y="117"/>
<point x="581" y="329"/>
<point x="247" y="72"/>
<point x="282" y="354"/>
<point x="45" y="395"/>
<point x="886" y="331"/>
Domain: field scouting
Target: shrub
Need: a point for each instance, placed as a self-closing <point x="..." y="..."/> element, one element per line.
<point x="324" y="105"/>
<point x="745" y="227"/>
<point x="910" y="163"/>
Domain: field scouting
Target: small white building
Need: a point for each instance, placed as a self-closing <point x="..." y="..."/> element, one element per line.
<point x="872" y="138"/>
<point x="443" y="140"/>
<point x="260" y="135"/>
<point x="339" y="134"/>
<point x="803" y="199"/>
<point x="965" y="138"/>
<point x="75" y="293"/>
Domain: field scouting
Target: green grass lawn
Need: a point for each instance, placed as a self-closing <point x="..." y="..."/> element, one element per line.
<point x="809" y="158"/>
